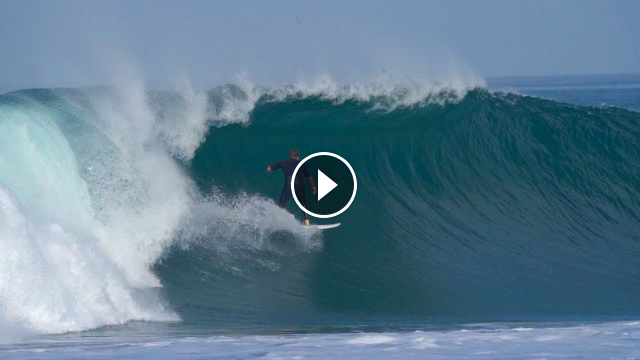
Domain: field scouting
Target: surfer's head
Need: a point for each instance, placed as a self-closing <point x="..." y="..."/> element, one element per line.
<point x="294" y="153"/>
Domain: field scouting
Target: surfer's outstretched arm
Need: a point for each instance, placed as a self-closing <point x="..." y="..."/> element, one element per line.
<point x="275" y="166"/>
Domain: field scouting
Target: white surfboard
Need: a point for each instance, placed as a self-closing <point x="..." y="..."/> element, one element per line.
<point x="323" y="226"/>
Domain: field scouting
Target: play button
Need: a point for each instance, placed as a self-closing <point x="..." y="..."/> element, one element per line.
<point x="336" y="185"/>
<point x="325" y="185"/>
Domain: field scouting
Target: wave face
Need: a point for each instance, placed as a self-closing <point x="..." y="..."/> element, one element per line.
<point x="126" y="204"/>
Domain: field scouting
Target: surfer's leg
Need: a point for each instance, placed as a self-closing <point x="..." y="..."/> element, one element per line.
<point x="302" y="198"/>
<point x="285" y="196"/>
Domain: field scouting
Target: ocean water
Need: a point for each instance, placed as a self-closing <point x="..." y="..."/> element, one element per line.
<point x="494" y="219"/>
<point x="618" y="340"/>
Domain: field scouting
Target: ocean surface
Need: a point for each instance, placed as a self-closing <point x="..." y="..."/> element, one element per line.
<point x="494" y="218"/>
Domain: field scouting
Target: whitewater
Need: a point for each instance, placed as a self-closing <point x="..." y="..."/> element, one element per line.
<point x="138" y="222"/>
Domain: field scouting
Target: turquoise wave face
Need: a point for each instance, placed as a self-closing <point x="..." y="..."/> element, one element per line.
<point x="498" y="207"/>
<point x="477" y="207"/>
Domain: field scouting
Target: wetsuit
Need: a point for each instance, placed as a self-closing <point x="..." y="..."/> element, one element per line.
<point x="288" y="166"/>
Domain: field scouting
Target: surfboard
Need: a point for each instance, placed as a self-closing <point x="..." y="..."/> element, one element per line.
<point x="323" y="226"/>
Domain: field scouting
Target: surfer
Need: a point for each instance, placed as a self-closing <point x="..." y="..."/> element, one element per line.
<point x="288" y="166"/>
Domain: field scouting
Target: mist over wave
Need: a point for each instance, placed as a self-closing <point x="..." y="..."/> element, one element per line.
<point x="120" y="204"/>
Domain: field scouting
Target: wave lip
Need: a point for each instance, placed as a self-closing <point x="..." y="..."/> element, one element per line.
<point x="382" y="94"/>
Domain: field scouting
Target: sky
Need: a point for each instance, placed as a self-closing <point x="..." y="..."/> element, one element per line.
<point x="78" y="43"/>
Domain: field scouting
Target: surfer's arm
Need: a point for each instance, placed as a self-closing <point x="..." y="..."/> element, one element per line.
<point x="275" y="166"/>
<point x="307" y="173"/>
<point x="313" y="184"/>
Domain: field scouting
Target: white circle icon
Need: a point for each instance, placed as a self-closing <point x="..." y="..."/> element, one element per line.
<point x="325" y="185"/>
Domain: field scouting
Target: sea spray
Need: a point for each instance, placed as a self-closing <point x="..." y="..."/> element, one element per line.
<point x="53" y="281"/>
<point x="74" y="266"/>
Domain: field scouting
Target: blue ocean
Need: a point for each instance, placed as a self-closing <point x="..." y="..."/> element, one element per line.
<point x="495" y="219"/>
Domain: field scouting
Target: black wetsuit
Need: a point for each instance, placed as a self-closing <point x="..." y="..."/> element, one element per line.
<point x="288" y="166"/>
